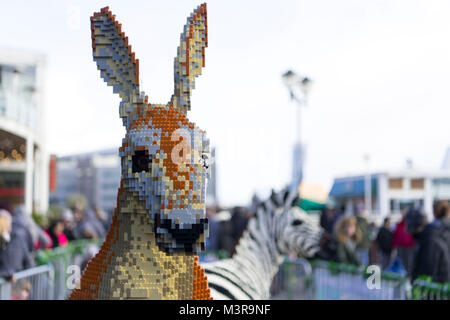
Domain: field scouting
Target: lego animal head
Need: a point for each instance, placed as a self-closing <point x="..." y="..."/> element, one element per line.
<point x="292" y="229"/>
<point x="301" y="235"/>
<point x="164" y="156"/>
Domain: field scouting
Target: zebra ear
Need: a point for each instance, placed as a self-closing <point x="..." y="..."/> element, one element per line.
<point x="274" y="198"/>
<point x="255" y="199"/>
<point x="190" y="58"/>
<point x="291" y="199"/>
<point x="285" y="195"/>
<point x="295" y="200"/>
<point x="255" y="203"/>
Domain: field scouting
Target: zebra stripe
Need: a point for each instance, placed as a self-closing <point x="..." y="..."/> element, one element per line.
<point x="223" y="276"/>
<point x="271" y="234"/>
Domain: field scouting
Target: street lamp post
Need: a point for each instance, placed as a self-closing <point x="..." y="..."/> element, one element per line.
<point x="367" y="186"/>
<point x="298" y="87"/>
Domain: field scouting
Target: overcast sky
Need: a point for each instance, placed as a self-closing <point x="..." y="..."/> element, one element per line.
<point x="381" y="72"/>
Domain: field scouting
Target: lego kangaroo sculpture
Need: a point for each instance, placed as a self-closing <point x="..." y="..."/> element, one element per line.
<point x="159" y="224"/>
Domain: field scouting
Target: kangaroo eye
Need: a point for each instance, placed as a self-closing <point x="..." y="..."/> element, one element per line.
<point x="205" y="160"/>
<point x="297" y="222"/>
<point x="141" y="161"/>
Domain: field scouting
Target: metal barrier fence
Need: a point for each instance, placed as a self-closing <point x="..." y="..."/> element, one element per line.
<point x="48" y="281"/>
<point x="31" y="284"/>
<point x="296" y="279"/>
<point x="321" y="280"/>
<point x="293" y="281"/>
<point x="337" y="281"/>
<point x="75" y="253"/>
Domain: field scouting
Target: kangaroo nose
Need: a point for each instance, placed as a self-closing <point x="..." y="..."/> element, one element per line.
<point x="186" y="237"/>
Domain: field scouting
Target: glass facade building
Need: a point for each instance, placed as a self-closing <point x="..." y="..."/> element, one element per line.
<point x="24" y="163"/>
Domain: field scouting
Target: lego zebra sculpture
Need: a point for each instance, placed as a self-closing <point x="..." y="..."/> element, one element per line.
<point x="278" y="228"/>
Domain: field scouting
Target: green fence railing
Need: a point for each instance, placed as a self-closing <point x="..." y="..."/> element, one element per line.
<point x="297" y="279"/>
<point x="67" y="252"/>
<point x="425" y="289"/>
<point x="333" y="280"/>
<point x="63" y="257"/>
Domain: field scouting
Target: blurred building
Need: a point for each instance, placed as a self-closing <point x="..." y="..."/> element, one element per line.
<point x="96" y="175"/>
<point x="446" y="163"/>
<point x="24" y="163"/>
<point x="393" y="191"/>
<point x="211" y="196"/>
<point x="299" y="155"/>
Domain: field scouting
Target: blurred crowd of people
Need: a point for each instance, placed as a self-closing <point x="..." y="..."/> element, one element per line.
<point x="21" y="237"/>
<point x="413" y="247"/>
<point x="226" y="227"/>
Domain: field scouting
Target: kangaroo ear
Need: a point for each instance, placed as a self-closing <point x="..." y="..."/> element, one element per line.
<point x="117" y="64"/>
<point x="190" y="58"/>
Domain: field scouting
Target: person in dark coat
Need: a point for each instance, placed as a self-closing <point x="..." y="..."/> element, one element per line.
<point x="239" y="220"/>
<point x="69" y="224"/>
<point x="84" y="229"/>
<point x="404" y="244"/>
<point x="56" y="232"/>
<point x="433" y="253"/>
<point x="238" y="224"/>
<point x="225" y="242"/>
<point x="20" y="228"/>
<point x="384" y="243"/>
<point x="103" y="217"/>
<point x="15" y="255"/>
<point x="362" y="224"/>
<point x="328" y="218"/>
<point x="212" y="242"/>
<point x="96" y="223"/>
<point x="31" y="231"/>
